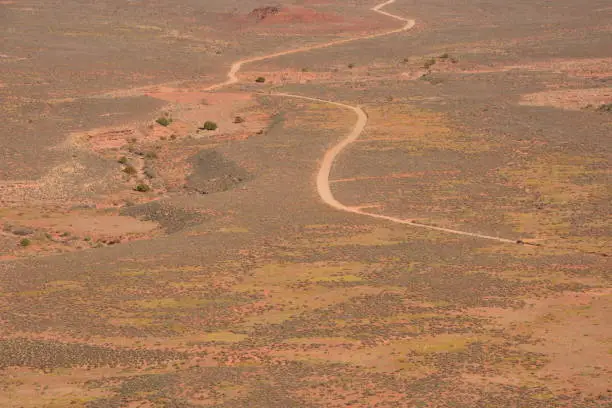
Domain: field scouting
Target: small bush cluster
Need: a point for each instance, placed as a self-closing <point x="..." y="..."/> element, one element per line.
<point x="209" y="125"/>
<point x="261" y="80"/>
<point x="142" y="188"/>
<point x="164" y="121"/>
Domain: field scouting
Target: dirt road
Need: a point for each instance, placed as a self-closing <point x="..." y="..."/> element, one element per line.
<point x="323" y="187"/>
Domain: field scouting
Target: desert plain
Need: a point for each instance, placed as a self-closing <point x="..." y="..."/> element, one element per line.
<point x="309" y="203"/>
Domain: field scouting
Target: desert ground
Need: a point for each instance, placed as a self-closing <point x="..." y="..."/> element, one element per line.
<point x="310" y="203"/>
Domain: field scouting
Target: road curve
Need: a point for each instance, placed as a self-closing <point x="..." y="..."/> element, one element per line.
<point x="323" y="187"/>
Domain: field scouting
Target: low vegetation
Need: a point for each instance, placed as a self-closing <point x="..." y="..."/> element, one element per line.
<point x="261" y="80"/>
<point x="142" y="188"/>
<point x="209" y="125"/>
<point x="25" y="242"/>
<point x="606" y="107"/>
<point x="164" y="121"/>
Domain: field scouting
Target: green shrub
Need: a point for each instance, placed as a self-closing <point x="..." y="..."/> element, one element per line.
<point x="238" y="119"/>
<point x="151" y="155"/>
<point x="143" y="188"/>
<point x="164" y="121"/>
<point x="25" y="242"/>
<point x="122" y="160"/>
<point x="444" y="56"/>
<point x="351" y="65"/>
<point x="209" y="125"/>
<point x="261" y="80"/>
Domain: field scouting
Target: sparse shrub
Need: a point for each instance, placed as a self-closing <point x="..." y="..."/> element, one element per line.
<point x="151" y="155"/>
<point x="351" y="65"/>
<point x="87" y="239"/>
<point x="606" y="107"/>
<point x="429" y="63"/>
<point x="65" y="234"/>
<point x="261" y="80"/>
<point x="304" y="69"/>
<point x="129" y="169"/>
<point x="164" y="121"/>
<point x="122" y="160"/>
<point x="444" y="56"/>
<point x="238" y="119"/>
<point x="454" y="60"/>
<point x="25" y="242"/>
<point x="142" y="188"/>
<point x="209" y="125"/>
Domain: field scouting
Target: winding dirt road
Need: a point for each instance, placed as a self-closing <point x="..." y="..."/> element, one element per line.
<point x="323" y="187"/>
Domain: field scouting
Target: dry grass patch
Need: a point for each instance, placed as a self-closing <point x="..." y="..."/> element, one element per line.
<point x="401" y="126"/>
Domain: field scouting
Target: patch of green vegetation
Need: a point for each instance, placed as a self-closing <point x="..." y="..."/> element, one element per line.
<point x="224" y="337"/>
<point x="25" y="242"/>
<point x="338" y="278"/>
<point x="543" y="396"/>
<point x="142" y="188"/>
<point x="123" y="160"/>
<point x="177" y="303"/>
<point x="260" y="80"/>
<point x="209" y="125"/>
<point x="164" y="121"/>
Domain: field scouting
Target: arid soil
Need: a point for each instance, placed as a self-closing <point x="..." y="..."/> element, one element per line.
<point x="383" y="215"/>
